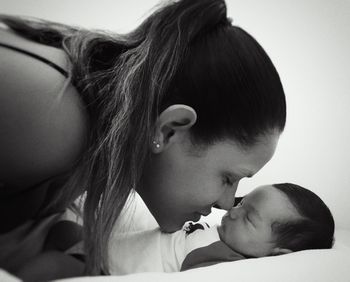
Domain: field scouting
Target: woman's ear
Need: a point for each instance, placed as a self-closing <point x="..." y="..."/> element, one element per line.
<point x="170" y="126"/>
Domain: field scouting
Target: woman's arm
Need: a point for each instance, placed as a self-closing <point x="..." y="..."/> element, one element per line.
<point x="51" y="265"/>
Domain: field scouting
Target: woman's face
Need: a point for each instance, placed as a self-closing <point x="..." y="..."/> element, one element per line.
<point x="181" y="183"/>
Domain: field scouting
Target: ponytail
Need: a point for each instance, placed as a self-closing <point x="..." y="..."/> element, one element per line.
<point x="42" y="31"/>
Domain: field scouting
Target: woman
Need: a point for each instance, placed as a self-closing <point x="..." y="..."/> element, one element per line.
<point x="178" y="110"/>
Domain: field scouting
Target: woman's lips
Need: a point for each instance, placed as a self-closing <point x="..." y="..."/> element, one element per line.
<point x="205" y="212"/>
<point x="197" y="215"/>
<point x="194" y="217"/>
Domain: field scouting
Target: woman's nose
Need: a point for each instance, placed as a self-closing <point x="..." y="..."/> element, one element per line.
<point x="227" y="199"/>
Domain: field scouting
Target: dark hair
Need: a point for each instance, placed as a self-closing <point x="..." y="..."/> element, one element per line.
<point x="232" y="84"/>
<point x="315" y="228"/>
<point x="184" y="52"/>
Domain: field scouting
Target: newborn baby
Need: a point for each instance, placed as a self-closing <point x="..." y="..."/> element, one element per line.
<point x="271" y="220"/>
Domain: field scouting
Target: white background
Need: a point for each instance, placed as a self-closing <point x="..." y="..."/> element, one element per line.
<point x="309" y="42"/>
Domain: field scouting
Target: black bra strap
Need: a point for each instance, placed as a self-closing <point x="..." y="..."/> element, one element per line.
<point x="44" y="60"/>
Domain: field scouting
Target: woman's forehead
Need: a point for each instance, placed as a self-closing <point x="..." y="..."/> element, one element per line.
<point x="242" y="162"/>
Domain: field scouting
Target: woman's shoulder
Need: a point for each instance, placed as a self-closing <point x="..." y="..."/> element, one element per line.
<point x="43" y="122"/>
<point x="53" y="54"/>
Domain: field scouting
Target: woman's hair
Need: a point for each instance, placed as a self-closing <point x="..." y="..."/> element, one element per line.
<point x="314" y="229"/>
<point x="185" y="52"/>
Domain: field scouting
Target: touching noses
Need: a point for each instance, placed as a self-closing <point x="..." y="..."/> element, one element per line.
<point x="227" y="199"/>
<point x="235" y="212"/>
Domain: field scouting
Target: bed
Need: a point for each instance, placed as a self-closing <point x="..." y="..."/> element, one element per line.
<point x="312" y="265"/>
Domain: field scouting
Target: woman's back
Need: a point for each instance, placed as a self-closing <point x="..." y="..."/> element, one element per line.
<point x="43" y="123"/>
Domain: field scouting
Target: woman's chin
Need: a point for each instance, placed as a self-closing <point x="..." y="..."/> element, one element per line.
<point x="196" y="217"/>
<point x="170" y="227"/>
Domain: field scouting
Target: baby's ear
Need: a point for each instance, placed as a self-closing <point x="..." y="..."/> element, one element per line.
<point x="280" y="251"/>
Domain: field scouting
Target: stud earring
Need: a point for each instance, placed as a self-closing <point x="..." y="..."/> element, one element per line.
<point x="156" y="144"/>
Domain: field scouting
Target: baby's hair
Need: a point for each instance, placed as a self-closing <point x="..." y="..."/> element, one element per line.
<point x="314" y="229"/>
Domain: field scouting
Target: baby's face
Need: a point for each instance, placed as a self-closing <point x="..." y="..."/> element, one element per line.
<point x="247" y="228"/>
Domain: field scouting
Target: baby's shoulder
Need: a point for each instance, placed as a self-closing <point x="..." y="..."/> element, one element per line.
<point x="200" y="235"/>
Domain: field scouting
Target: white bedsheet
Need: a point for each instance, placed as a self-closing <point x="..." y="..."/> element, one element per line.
<point x="309" y="266"/>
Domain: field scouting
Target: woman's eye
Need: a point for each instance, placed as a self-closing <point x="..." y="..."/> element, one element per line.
<point x="249" y="220"/>
<point x="227" y="181"/>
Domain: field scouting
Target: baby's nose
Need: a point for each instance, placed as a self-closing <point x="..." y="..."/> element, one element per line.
<point x="227" y="199"/>
<point x="234" y="212"/>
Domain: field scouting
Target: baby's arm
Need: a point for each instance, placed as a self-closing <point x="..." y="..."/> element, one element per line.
<point x="176" y="246"/>
<point x="204" y="248"/>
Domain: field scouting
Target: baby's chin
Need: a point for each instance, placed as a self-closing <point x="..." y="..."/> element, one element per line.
<point x="221" y="232"/>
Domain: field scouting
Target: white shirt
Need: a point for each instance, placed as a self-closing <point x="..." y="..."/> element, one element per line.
<point x="154" y="251"/>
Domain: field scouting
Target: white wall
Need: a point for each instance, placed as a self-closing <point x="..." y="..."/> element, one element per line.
<point x="309" y="42"/>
